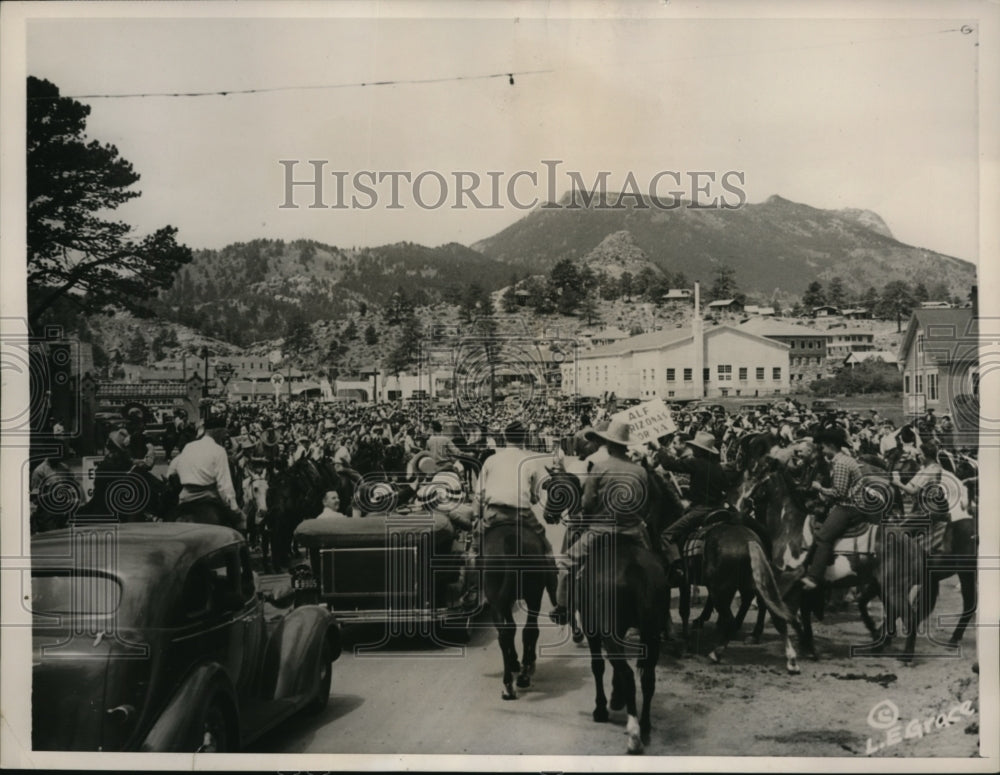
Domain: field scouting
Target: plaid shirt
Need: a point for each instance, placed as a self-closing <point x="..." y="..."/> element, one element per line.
<point x="845" y="478"/>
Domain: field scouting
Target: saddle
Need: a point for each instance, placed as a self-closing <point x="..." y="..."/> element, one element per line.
<point x="694" y="545"/>
<point x="859" y="538"/>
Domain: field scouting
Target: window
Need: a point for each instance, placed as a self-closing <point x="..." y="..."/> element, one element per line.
<point x="704" y="374"/>
<point x="687" y="375"/>
<point x="725" y="372"/>
<point x="810" y="344"/>
<point x="932" y="392"/>
<point x="920" y="383"/>
<point x="776" y="373"/>
<point x="743" y="373"/>
<point x="671" y="375"/>
<point x="670" y="394"/>
<point x="760" y="372"/>
<point x="906" y="383"/>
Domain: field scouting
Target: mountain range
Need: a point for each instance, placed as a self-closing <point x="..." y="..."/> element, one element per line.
<point x="255" y="290"/>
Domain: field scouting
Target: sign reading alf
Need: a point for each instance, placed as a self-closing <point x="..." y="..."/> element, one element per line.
<point x="647" y="421"/>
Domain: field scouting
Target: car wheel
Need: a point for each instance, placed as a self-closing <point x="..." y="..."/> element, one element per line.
<point x="214" y="730"/>
<point x="324" y="681"/>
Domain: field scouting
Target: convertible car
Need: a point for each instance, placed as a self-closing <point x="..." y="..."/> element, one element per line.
<point x="153" y="637"/>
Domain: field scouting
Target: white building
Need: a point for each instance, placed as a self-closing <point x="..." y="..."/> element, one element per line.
<point x="661" y="364"/>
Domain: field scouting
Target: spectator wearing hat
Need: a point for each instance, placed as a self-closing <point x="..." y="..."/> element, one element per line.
<point x="139" y="447"/>
<point x="615" y="499"/>
<point x="945" y="432"/>
<point x="844" y="497"/>
<point x="706" y="494"/>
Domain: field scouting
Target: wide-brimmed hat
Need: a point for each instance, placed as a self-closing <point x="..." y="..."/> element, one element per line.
<point x="616" y="432"/>
<point x="835" y="436"/>
<point x="705" y="441"/>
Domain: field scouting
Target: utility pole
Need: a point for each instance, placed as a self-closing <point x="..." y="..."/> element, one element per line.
<point x="697" y="329"/>
<point x="204" y="388"/>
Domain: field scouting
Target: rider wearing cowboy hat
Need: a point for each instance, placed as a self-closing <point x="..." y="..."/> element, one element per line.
<point x="706" y="494"/>
<point x="615" y="499"/>
<point x="846" y="480"/>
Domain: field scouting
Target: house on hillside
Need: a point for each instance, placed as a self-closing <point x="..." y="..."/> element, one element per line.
<point x="724" y="305"/>
<point x="661" y="364"/>
<point x="935" y="305"/>
<point x="939" y="358"/>
<point x="854" y="359"/>
<point x="678" y="294"/>
<point x="857" y="313"/>
<point x="842" y="342"/>
<point x="609" y="335"/>
<point x="825" y="311"/>
<point x="753" y="309"/>
<point x="807" y="347"/>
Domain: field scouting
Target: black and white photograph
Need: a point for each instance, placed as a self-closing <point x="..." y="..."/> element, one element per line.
<point x="550" y="386"/>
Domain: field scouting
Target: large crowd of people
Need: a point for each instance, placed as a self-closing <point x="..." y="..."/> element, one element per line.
<point x="265" y="437"/>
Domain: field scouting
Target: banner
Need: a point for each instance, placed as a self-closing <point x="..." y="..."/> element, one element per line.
<point x="88" y="472"/>
<point x="647" y="421"/>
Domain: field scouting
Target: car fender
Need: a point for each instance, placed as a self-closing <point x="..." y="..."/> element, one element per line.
<point x="176" y="725"/>
<point x="300" y="646"/>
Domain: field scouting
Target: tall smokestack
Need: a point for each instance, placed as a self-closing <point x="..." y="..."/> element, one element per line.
<point x="697" y="331"/>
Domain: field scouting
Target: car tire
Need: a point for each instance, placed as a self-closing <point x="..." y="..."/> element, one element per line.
<point x="214" y="729"/>
<point x="324" y="681"/>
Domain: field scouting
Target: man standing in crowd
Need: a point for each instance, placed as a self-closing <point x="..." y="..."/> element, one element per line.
<point x="441" y="448"/>
<point x="55" y="491"/>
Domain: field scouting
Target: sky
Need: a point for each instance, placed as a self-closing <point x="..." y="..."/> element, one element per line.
<point x="880" y="114"/>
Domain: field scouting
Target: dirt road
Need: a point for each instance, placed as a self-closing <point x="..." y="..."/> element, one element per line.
<point x="412" y="697"/>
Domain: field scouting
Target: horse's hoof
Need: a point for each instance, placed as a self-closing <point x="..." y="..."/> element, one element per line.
<point x="645" y="736"/>
<point x="508" y="694"/>
<point x="600" y="715"/>
<point x="714" y="656"/>
<point x="523" y="681"/>
<point x="634" y="745"/>
<point x="793" y="668"/>
<point x="577" y="635"/>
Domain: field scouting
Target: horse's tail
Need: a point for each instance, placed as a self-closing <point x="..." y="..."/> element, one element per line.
<point x="767" y="586"/>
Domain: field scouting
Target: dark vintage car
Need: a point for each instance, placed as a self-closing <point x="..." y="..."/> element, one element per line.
<point x="821" y="405"/>
<point x="153" y="637"/>
<point x="409" y="571"/>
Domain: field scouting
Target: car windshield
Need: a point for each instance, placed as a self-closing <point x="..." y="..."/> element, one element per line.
<point x="80" y="594"/>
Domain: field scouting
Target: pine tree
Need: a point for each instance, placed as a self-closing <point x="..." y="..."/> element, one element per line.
<point x="814" y="296"/>
<point x="371" y="336"/>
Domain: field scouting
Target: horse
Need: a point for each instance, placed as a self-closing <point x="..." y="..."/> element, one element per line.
<point x="514" y="568"/>
<point x="734" y="559"/>
<point x="296" y="493"/>
<point x="622" y="585"/>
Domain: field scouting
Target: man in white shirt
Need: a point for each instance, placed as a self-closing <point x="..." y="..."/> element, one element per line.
<point x="331" y="504"/>
<point x="202" y="468"/>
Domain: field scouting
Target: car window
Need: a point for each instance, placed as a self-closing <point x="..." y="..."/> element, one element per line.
<point x="213" y="586"/>
<point x="82" y="594"/>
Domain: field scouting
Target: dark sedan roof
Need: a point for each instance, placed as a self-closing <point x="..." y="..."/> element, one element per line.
<point x="150" y="559"/>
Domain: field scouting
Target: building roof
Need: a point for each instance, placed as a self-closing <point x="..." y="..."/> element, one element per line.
<point x="722" y="303"/>
<point x="949" y="334"/>
<point x="666" y="338"/>
<point x="779" y="328"/>
<point x="677" y="293"/>
<point x="824" y="306"/>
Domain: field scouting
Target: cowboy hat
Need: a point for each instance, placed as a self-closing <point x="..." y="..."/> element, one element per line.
<point x="705" y="441"/>
<point x="617" y="432"/>
<point x="835" y="436"/>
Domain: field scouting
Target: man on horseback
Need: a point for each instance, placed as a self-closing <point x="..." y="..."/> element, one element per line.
<point x="616" y="491"/>
<point x="509" y="484"/>
<point x="846" y="480"/>
<point x="202" y="468"/>
<point x="706" y="494"/>
<point x="442" y="448"/>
